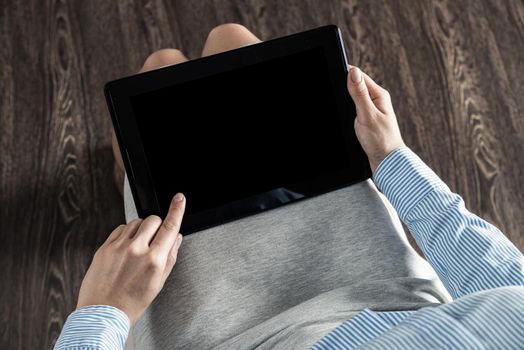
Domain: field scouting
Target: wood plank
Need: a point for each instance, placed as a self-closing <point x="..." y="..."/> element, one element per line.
<point x="453" y="69"/>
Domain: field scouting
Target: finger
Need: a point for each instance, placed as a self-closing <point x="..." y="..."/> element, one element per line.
<point x="164" y="57"/>
<point x="172" y="257"/>
<point x="359" y="92"/>
<point x="167" y="233"/>
<point x="147" y="230"/>
<point x="374" y="89"/>
<point x="130" y="230"/>
<point x="378" y="94"/>
<point x="113" y="236"/>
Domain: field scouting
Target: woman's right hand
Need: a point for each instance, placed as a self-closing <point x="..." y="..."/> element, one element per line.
<point x="375" y="125"/>
<point x="130" y="268"/>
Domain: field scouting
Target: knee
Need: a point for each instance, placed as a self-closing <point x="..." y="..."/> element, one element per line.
<point x="164" y="57"/>
<point x="226" y="30"/>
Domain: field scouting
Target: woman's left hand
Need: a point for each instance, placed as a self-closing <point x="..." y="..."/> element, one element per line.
<point x="130" y="268"/>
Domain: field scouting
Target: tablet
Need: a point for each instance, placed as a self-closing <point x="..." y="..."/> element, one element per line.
<point x="240" y="132"/>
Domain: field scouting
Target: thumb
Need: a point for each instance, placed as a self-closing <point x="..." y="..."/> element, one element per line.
<point x="359" y="91"/>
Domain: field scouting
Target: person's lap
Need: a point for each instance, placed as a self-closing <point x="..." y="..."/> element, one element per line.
<point x="236" y="277"/>
<point x="233" y="277"/>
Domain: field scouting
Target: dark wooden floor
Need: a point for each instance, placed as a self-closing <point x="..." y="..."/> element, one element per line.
<point x="454" y="69"/>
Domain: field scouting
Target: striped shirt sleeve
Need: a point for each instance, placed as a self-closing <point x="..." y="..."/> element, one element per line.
<point x="468" y="253"/>
<point x="99" y="327"/>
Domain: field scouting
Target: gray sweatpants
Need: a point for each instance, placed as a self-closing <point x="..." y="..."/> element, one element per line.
<point x="284" y="278"/>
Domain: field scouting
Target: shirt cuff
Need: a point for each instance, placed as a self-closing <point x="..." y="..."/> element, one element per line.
<point x="405" y="180"/>
<point x="95" y="326"/>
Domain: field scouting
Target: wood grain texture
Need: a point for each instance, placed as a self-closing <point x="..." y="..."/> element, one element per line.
<point x="454" y="70"/>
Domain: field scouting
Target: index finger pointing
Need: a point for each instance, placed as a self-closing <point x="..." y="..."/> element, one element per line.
<point x="166" y="235"/>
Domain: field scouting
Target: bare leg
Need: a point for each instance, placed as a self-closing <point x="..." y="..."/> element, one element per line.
<point x="157" y="59"/>
<point x="226" y="37"/>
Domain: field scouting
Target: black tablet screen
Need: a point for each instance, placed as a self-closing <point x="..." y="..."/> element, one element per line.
<point x="271" y="126"/>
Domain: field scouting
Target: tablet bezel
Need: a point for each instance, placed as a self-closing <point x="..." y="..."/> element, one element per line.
<point x="119" y="92"/>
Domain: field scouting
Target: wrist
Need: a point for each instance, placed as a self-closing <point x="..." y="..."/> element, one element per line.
<point x="376" y="160"/>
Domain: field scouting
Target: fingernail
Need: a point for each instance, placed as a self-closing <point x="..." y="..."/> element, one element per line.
<point x="178" y="198"/>
<point x="356" y="75"/>
<point x="179" y="240"/>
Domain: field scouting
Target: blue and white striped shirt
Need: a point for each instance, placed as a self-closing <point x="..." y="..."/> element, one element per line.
<point x="482" y="270"/>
